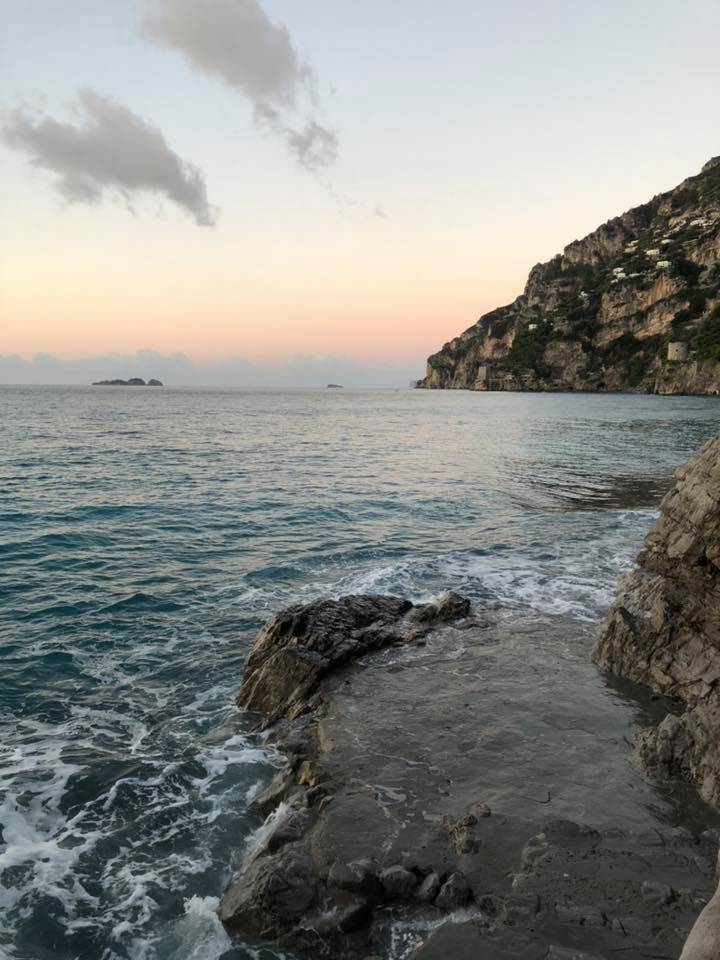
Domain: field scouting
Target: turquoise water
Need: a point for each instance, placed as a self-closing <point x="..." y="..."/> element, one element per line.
<point x="144" y="537"/>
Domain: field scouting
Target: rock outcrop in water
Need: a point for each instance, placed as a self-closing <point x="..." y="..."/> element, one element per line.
<point x="634" y="306"/>
<point x="132" y="382"/>
<point x="664" y="628"/>
<point x="414" y="806"/>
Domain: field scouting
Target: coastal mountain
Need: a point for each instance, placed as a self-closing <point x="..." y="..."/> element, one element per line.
<point x="634" y="306"/>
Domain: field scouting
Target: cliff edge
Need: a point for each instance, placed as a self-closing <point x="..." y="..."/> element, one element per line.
<point x="634" y="306"/>
<point x="664" y="628"/>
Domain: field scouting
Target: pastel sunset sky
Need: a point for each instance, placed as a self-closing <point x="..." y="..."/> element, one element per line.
<point x="255" y="189"/>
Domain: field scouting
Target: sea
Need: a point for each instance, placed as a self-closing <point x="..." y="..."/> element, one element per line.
<point x="146" y="535"/>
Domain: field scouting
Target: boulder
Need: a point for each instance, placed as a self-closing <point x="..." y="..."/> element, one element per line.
<point x="270" y="894"/>
<point x="454" y="893"/>
<point x="429" y="888"/>
<point x="298" y="646"/>
<point x="358" y="876"/>
<point x="303" y="643"/>
<point x="398" y="883"/>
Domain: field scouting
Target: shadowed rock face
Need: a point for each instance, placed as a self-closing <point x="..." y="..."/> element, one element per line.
<point x="436" y="767"/>
<point x="664" y="628"/>
<point x="303" y="643"/>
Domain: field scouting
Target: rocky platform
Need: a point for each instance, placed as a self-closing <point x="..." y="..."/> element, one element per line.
<point x="457" y="787"/>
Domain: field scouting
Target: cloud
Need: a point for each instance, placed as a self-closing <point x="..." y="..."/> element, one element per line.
<point x="236" y="41"/>
<point x="107" y="150"/>
<point x="313" y="146"/>
<point x="177" y="369"/>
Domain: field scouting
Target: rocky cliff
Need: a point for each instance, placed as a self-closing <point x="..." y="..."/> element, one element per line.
<point x="664" y="627"/>
<point x="634" y="306"/>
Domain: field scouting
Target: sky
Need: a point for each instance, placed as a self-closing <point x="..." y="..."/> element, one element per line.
<point x="247" y="192"/>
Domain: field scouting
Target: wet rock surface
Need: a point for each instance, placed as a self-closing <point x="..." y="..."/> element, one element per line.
<point x="300" y="645"/>
<point x="438" y="803"/>
<point x="664" y="628"/>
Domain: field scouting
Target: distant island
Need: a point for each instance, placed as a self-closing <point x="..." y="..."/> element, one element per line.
<point x="334" y="386"/>
<point x="132" y="382"/>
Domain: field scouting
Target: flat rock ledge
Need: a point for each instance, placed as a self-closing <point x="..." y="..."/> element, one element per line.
<point x="663" y="629"/>
<point x="344" y="866"/>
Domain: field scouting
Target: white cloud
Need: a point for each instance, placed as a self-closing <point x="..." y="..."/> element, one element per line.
<point x="235" y="41"/>
<point x="107" y="149"/>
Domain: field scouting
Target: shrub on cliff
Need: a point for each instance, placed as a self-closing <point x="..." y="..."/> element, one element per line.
<point x="706" y="342"/>
<point x="686" y="270"/>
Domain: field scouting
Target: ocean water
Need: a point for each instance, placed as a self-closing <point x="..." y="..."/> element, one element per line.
<point x="145" y="535"/>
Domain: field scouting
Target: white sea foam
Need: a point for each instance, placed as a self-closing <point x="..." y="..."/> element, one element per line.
<point x="406" y="935"/>
<point x="52" y="853"/>
<point x="203" y="935"/>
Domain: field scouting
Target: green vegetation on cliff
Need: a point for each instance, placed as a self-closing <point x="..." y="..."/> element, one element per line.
<point x="601" y="315"/>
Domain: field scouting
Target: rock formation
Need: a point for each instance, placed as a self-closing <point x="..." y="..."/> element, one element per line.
<point x="132" y="382"/>
<point x="663" y="629"/>
<point x="634" y="306"/>
<point x="417" y="765"/>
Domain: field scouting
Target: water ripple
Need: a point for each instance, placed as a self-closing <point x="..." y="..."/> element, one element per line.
<point x="143" y="540"/>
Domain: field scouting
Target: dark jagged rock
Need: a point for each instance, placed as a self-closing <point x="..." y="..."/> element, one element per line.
<point x="454" y="893"/>
<point x="271" y="894"/>
<point x="429" y="888"/>
<point x="663" y="629"/>
<point x="398" y="883"/>
<point x="300" y="645"/>
<point x="360" y="877"/>
<point x="634" y="306"/>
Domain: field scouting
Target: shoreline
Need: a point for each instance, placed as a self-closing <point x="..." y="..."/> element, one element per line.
<point x="395" y="821"/>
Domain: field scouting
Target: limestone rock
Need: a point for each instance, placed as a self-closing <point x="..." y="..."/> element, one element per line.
<point x="303" y="643"/>
<point x="454" y="893"/>
<point x="358" y="876"/>
<point x="598" y="315"/>
<point x="298" y="646"/>
<point x="429" y="888"/>
<point x="270" y="894"/>
<point x="663" y="629"/>
<point x="398" y="883"/>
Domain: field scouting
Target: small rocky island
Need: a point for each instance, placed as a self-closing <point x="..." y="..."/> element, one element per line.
<point x="132" y="382"/>
<point x="334" y="386"/>
<point x="430" y="806"/>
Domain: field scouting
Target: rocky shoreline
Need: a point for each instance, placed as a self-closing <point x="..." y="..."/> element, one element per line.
<point x="664" y="628"/>
<point x="394" y="830"/>
<point x="663" y="631"/>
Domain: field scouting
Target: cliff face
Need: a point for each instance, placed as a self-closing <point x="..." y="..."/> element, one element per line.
<point x="633" y="306"/>
<point x="664" y="627"/>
